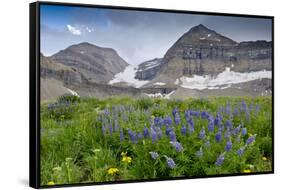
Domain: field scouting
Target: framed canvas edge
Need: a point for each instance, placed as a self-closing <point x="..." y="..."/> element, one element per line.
<point x="34" y="96"/>
<point x="34" y="92"/>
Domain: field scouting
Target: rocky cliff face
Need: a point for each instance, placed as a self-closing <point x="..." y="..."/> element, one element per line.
<point x="148" y="69"/>
<point x="202" y="51"/>
<point x="52" y="69"/>
<point x="97" y="64"/>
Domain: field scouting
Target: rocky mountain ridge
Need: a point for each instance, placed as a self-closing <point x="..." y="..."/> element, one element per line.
<point x="98" y="64"/>
<point x="202" y="51"/>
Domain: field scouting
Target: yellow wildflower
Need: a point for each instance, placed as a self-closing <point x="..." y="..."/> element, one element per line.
<point x="112" y="171"/>
<point x="127" y="159"/>
<point x="51" y="183"/>
<point x="123" y="154"/>
<point x="247" y="171"/>
<point x="264" y="158"/>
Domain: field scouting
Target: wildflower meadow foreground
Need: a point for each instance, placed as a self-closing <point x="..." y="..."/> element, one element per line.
<point x="92" y="140"/>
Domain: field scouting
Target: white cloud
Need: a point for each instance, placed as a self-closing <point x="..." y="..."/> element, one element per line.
<point x="89" y="29"/>
<point x="74" y="30"/>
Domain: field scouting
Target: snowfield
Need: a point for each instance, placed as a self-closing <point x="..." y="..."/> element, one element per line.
<point x="128" y="76"/>
<point x="159" y="95"/>
<point x="225" y="79"/>
<point x="159" y="83"/>
<point x="73" y="92"/>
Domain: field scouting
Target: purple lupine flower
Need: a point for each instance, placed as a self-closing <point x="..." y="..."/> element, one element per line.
<point x="121" y="135"/>
<point x="153" y="135"/>
<point x="170" y="162"/>
<point x="183" y="130"/>
<point x="156" y="121"/>
<point x="103" y="129"/>
<point x="228" y="109"/>
<point x="220" y="160"/>
<point x="236" y="130"/>
<point x="220" y="110"/>
<point x="190" y="130"/>
<point x="244" y="131"/>
<point x="250" y="139"/>
<point x="187" y="114"/>
<point x="161" y="122"/>
<point x="190" y="122"/>
<point x="228" y="125"/>
<point x="236" y="111"/>
<point x="211" y="125"/>
<point x="133" y="136"/>
<point x="218" y="119"/>
<point x="251" y="107"/>
<point x="154" y="155"/>
<point x="227" y="134"/>
<point x="194" y="113"/>
<point x="199" y="153"/>
<point x="174" y="112"/>
<point x="168" y="121"/>
<point x="145" y="132"/>
<point x="243" y="106"/>
<point x="240" y="151"/>
<point x="110" y="129"/>
<point x="159" y="133"/>
<point x="218" y="136"/>
<point x="168" y="130"/>
<point x="139" y="136"/>
<point x="177" y="146"/>
<point x="172" y="136"/>
<point x="228" y="146"/>
<point x="106" y="112"/>
<point x="177" y="119"/>
<point x="202" y="133"/>
<point x="204" y="115"/>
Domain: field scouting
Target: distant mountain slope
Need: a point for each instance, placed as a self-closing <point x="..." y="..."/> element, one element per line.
<point x="66" y="74"/>
<point x="202" y="51"/>
<point x="58" y="79"/>
<point x="97" y="64"/>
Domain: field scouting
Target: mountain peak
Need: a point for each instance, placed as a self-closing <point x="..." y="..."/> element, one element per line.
<point x="200" y="29"/>
<point x="201" y="35"/>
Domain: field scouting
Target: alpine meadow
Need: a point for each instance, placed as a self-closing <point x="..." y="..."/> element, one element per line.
<point x="140" y="95"/>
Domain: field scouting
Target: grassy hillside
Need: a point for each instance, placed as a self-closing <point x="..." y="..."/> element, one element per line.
<point x="121" y="138"/>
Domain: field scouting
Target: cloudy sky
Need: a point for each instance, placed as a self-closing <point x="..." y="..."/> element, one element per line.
<point x="137" y="36"/>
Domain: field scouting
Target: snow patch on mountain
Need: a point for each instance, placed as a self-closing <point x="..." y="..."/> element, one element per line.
<point x="73" y="92"/>
<point x="159" y="95"/>
<point x="159" y="83"/>
<point x="128" y="76"/>
<point x="222" y="80"/>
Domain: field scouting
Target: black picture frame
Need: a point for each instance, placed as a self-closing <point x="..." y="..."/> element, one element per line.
<point x="34" y="90"/>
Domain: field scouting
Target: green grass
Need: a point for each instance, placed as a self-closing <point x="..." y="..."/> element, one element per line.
<point x="75" y="150"/>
